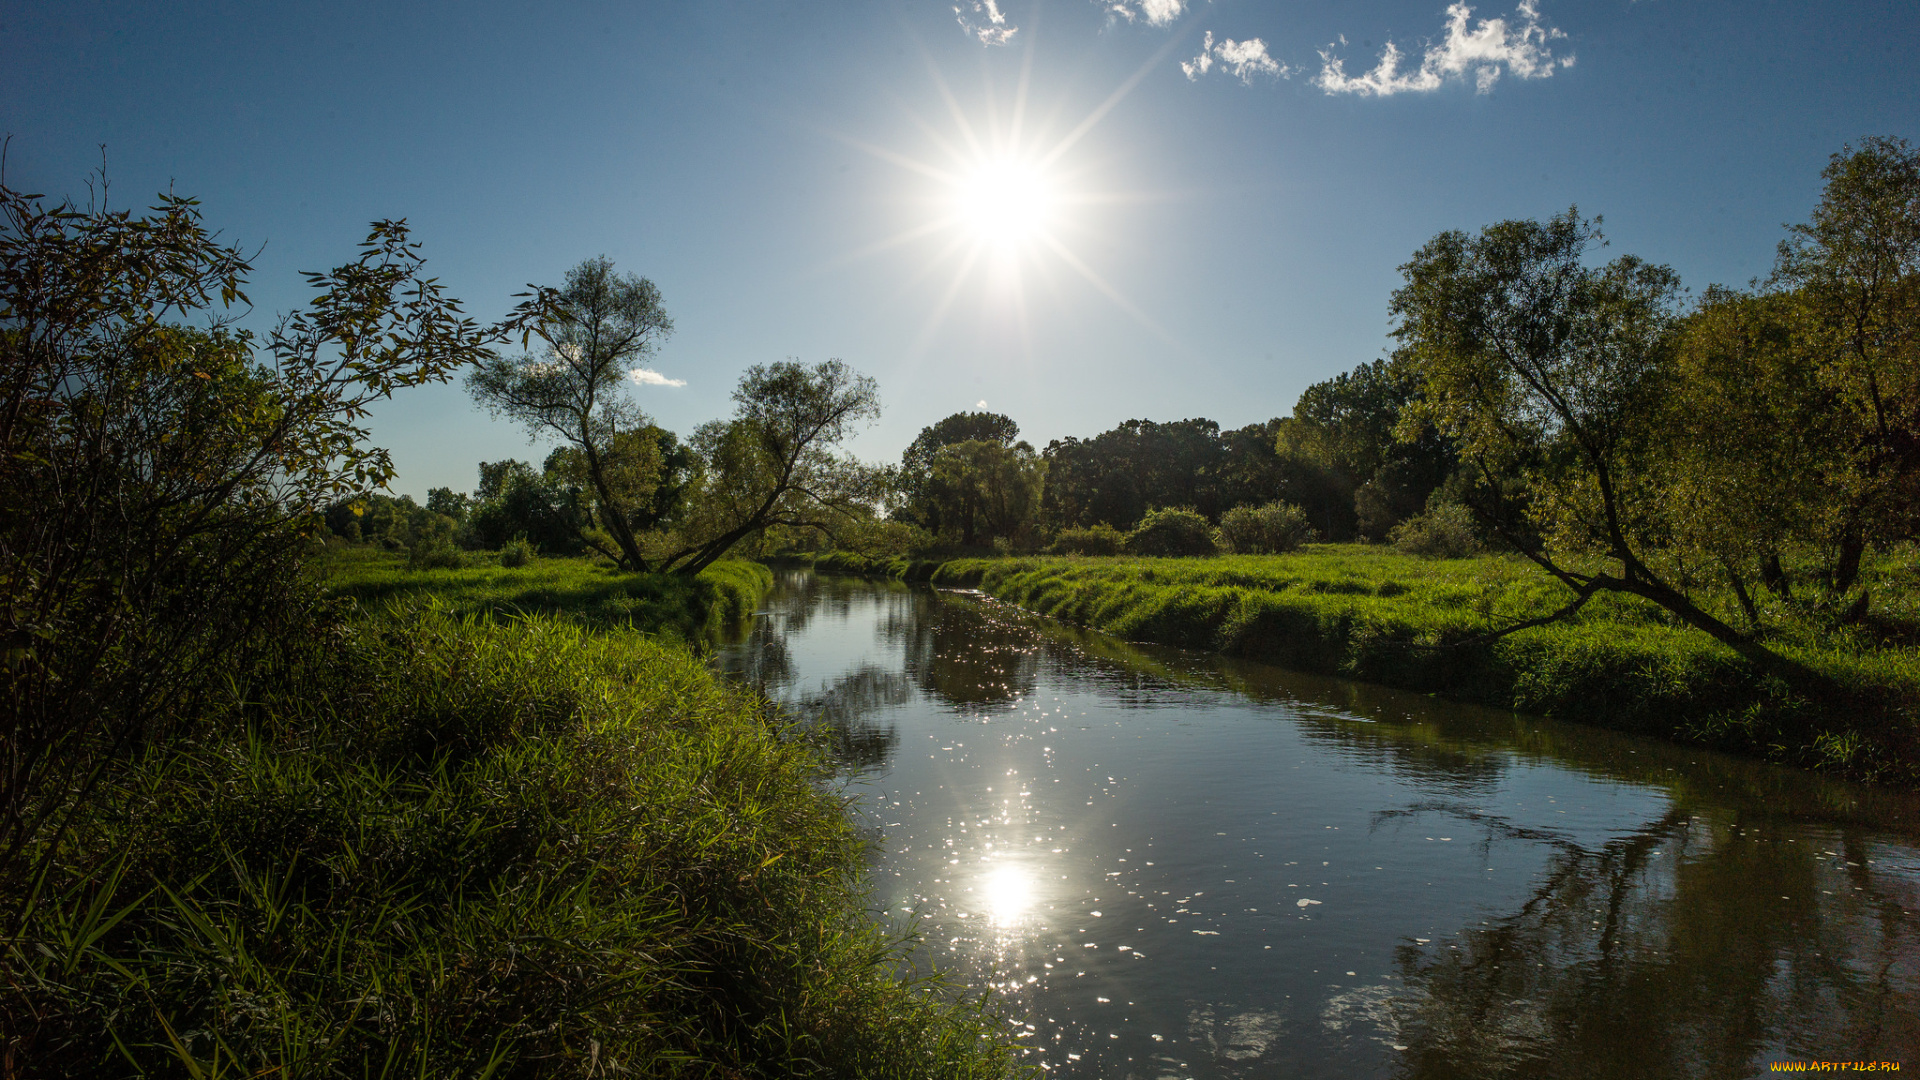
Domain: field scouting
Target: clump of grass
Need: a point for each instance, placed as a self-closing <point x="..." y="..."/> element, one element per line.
<point x="1370" y="613"/>
<point x="462" y="846"/>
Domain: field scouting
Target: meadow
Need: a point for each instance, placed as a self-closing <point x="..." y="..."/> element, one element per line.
<point x="689" y="608"/>
<point x="1369" y="612"/>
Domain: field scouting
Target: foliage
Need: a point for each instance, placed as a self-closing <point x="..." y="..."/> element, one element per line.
<point x="1547" y="373"/>
<point x="459" y="847"/>
<point x="514" y="500"/>
<point x="1273" y="529"/>
<point x="1174" y="531"/>
<point x="981" y="490"/>
<point x="774" y="464"/>
<point x="1354" y="435"/>
<point x="516" y="553"/>
<point x="1097" y="540"/>
<point x="164" y="470"/>
<point x="915" y="479"/>
<point x="596" y="327"/>
<point x="1856" y="269"/>
<point x="1445" y="531"/>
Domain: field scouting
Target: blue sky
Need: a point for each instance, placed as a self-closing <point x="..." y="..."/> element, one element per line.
<point x="1221" y="210"/>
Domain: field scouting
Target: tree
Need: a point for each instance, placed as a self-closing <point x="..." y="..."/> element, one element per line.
<point x="597" y="327"/>
<point x="164" y="471"/>
<point x="915" y="480"/>
<point x="1856" y="268"/>
<point x="515" y="502"/>
<point x="1547" y="373"/>
<point x="1753" y="440"/>
<point x="1116" y="476"/>
<point x="1353" y="430"/>
<point x="774" y="462"/>
<point x="984" y="490"/>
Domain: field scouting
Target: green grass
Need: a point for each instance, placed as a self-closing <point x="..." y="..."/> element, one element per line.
<point x="463" y="846"/>
<point x="1371" y="613"/>
<point x="688" y="608"/>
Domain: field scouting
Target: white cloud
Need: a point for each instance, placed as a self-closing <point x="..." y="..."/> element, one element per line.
<point x="983" y="19"/>
<point x="1155" y="12"/>
<point x="648" y="377"/>
<point x="1243" y="59"/>
<point x="981" y="404"/>
<point x="1482" y="52"/>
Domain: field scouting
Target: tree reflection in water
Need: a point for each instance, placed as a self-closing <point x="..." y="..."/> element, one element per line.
<point x="1701" y="945"/>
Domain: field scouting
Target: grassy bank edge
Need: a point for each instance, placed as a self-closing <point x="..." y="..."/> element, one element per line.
<point x="1859" y="716"/>
<point x="543" y="844"/>
<point x="686" y="608"/>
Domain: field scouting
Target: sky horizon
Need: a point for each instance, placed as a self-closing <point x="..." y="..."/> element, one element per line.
<point x="1078" y="212"/>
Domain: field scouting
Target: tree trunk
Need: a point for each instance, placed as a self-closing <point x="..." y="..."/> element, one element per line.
<point x="1846" y="568"/>
<point x="610" y="516"/>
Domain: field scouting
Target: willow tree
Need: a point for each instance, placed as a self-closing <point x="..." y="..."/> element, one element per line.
<point x="1549" y="374"/>
<point x="775" y="463"/>
<point x="598" y="328"/>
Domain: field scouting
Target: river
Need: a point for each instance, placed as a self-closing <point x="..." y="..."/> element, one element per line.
<point x="1174" y="864"/>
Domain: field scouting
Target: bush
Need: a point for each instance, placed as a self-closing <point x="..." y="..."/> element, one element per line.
<point x="1265" y="530"/>
<point x="517" y="552"/>
<point x="435" y="555"/>
<point x="1174" y="531"/>
<point x="1443" y="532"/>
<point x="1100" y="540"/>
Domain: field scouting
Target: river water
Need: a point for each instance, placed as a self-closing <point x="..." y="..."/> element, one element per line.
<point x="1173" y="864"/>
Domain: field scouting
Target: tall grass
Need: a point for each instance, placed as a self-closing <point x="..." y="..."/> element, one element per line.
<point x="463" y="846"/>
<point x="1374" y="614"/>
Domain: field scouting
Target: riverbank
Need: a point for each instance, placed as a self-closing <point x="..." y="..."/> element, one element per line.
<point x="485" y="825"/>
<point x="690" y="609"/>
<point x="1373" y="614"/>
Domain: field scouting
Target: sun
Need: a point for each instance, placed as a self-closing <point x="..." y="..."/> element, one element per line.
<point x="1002" y="202"/>
<point x="1005" y="202"/>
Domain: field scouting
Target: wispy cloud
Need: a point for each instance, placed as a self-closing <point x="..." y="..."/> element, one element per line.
<point x="1242" y="59"/>
<point x="983" y="19"/>
<point x="1153" y="12"/>
<point x="1483" y="52"/>
<point x="649" y="377"/>
<point x="981" y="404"/>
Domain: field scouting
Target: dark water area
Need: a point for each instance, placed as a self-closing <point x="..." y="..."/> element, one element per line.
<point x="1173" y="864"/>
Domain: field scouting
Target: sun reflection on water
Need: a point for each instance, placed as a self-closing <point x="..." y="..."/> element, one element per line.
<point x="1008" y="891"/>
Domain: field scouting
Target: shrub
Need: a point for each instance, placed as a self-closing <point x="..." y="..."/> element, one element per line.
<point x="516" y="552"/>
<point x="435" y="555"/>
<point x="1265" y="530"/>
<point x="1102" y="539"/>
<point x="1444" y="532"/>
<point x="1174" y="531"/>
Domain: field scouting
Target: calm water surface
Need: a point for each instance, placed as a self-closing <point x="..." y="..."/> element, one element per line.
<point x="1170" y="864"/>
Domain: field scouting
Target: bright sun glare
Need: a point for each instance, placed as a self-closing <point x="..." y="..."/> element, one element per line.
<point x="1008" y="892"/>
<point x="1004" y="202"/>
